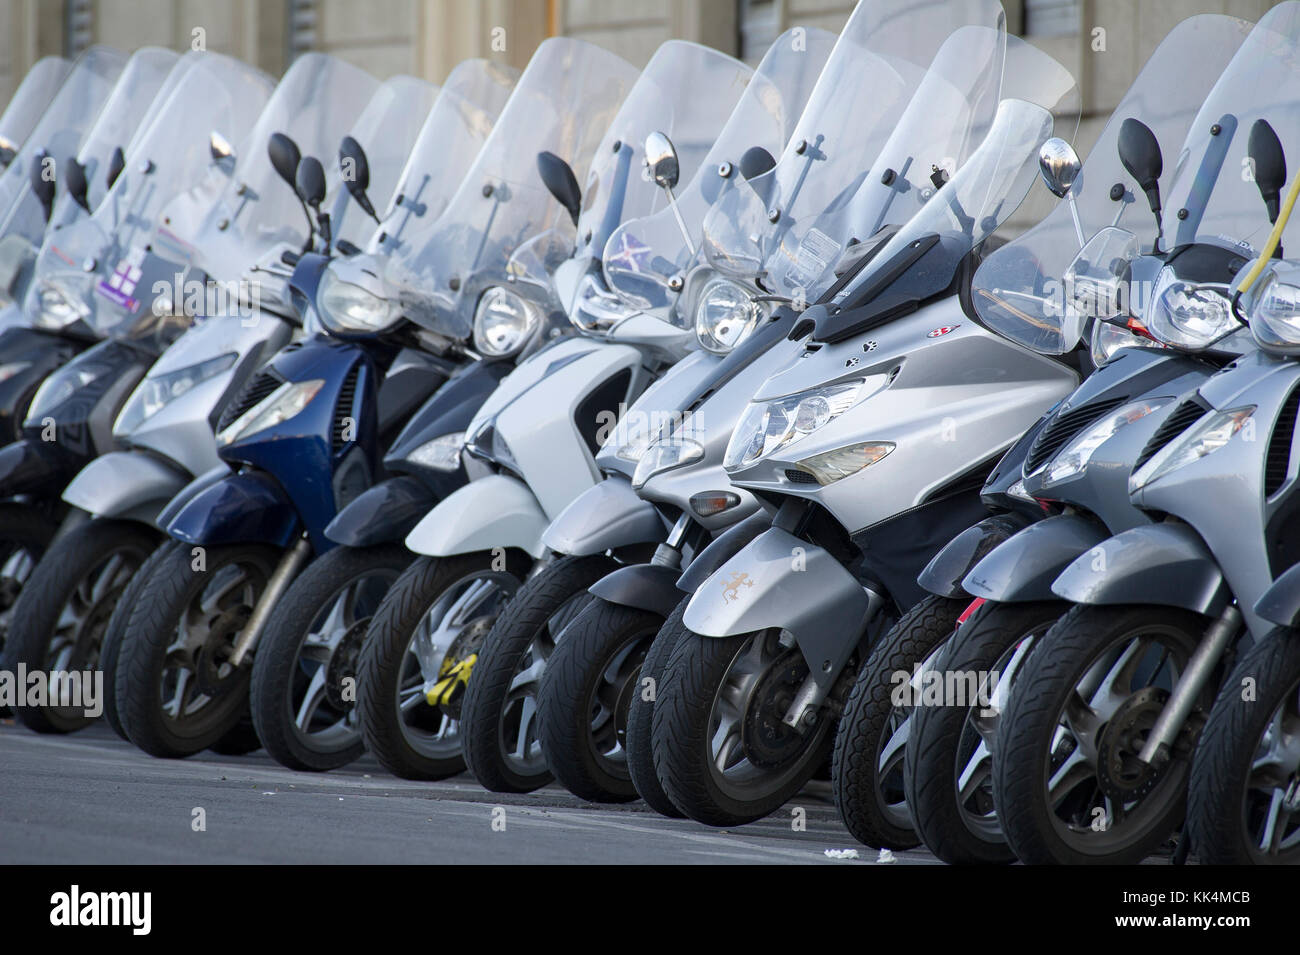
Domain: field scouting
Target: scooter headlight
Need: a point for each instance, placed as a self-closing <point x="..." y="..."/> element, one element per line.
<point x="61" y="386"/>
<point x="1073" y="459"/>
<point x="596" y="308"/>
<point x="1188" y="315"/>
<point x="345" y="307"/>
<point x="156" y="391"/>
<point x="724" y="316"/>
<point x="1108" y="340"/>
<point x="58" y="306"/>
<point x="768" y="426"/>
<point x="276" y="408"/>
<point x="441" y="454"/>
<point x="503" y="322"/>
<point x="1207" y="436"/>
<point x="1275" y="317"/>
<point x="664" y="455"/>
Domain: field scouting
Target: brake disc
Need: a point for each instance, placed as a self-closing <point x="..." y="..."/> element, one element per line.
<point x="212" y="667"/>
<point x="343" y="665"/>
<point x="467" y="644"/>
<point x="1122" y="775"/>
<point x="767" y="740"/>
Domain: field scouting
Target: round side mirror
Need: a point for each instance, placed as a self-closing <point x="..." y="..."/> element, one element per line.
<point x="1059" y="166"/>
<point x="285" y="157"/>
<point x="661" y="160"/>
<point x="310" y="181"/>
<point x="355" y="170"/>
<point x="74" y="178"/>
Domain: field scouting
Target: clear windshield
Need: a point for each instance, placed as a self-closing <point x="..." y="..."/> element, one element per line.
<point x="28" y="103"/>
<point x="462" y="116"/>
<point x="64" y="122"/>
<point x="386" y="129"/>
<point x="563" y="103"/>
<point x="165" y="159"/>
<point x="644" y="254"/>
<point x="255" y="212"/>
<point x="798" y="211"/>
<point x="1016" y="290"/>
<point x="143" y="84"/>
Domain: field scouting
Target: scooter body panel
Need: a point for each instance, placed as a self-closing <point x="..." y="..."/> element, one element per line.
<point x="28" y="467"/>
<point x="383" y="514"/>
<point x="757" y="589"/>
<point x="1164" y="564"/>
<point x="721" y="549"/>
<point x="126" y="484"/>
<point x="1281" y="602"/>
<point x="1024" y="567"/>
<point x="497" y="510"/>
<point x="27" y="357"/>
<point x="944" y="574"/>
<point x="245" y="507"/>
<point x="606" y="516"/>
<point x="641" y="587"/>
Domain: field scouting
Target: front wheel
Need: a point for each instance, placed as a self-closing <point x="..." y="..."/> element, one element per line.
<point x="1243" y="807"/>
<point x="417" y="654"/>
<point x="584" y="698"/>
<point x="721" y="750"/>
<point x="303" y="690"/>
<point x="641" y="713"/>
<point x="63" y="611"/>
<point x="25" y="535"/>
<point x="1068" y="783"/>
<point x="177" y="690"/>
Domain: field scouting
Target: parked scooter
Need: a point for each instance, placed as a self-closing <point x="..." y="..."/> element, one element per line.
<point x="1079" y="463"/>
<point x="28" y="104"/>
<point x="305" y="433"/>
<point x="1093" y="754"/>
<point x="165" y="431"/>
<point x="747" y="707"/>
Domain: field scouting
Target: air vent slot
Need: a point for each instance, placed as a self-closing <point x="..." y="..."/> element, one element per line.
<point x="1063" y="427"/>
<point x="799" y="477"/>
<point x="1279" y="445"/>
<point x="1183" y="417"/>
<point x="257" y="388"/>
<point x="341" y="434"/>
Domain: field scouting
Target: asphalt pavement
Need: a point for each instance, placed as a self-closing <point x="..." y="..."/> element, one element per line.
<point x="93" y="798"/>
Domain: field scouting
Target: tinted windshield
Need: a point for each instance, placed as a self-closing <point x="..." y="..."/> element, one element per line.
<point x="58" y="133"/>
<point x="1015" y="290"/>
<point x="142" y="85"/>
<point x="644" y="254"/>
<point x="563" y="103"/>
<point x="462" y="116"/>
<point x="168" y="156"/>
<point x="29" y="101"/>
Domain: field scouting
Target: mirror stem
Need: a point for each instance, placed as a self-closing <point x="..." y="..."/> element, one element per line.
<point x="681" y="223"/>
<point x="1078" y="226"/>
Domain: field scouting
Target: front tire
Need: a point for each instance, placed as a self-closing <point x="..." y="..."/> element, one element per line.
<point x="502" y="746"/>
<point x="867" y="769"/>
<point x="1241" y="806"/>
<point x="177" y="690"/>
<point x="25" y="536"/>
<point x="715" y="689"/>
<point x="640" y="715"/>
<point x="423" y="639"/>
<point x="1095" y="683"/>
<point x="63" y="611"/>
<point x="303" y="704"/>
<point x="585" y="695"/>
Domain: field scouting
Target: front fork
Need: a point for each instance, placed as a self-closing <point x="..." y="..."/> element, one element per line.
<point x="290" y="564"/>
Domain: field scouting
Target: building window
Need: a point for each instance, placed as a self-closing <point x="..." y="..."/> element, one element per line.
<point x="302" y="28"/>
<point x="1051" y="17"/>
<point x="759" y="24"/>
<point x="78" y="27"/>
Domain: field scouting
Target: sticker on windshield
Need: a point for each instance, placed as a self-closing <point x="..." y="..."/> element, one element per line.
<point x="816" y="252"/>
<point x="120" y="286"/>
<point x="632" y="255"/>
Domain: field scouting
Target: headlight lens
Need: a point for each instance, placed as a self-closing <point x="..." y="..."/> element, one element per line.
<point x="345" y="307"/>
<point x="1074" y="457"/>
<point x="1211" y="434"/>
<point x="831" y="466"/>
<point x="1187" y="315"/>
<point x="596" y="308"/>
<point x="768" y="426"/>
<point x="276" y="408"/>
<point x="61" y="386"/>
<point x="440" y="454"/>
<point x="1108" y="340"/>
<point x="1275" y="319"/>
<point x="59" y="306"/>
<point x="664" y="455"/>
<point x="724" y="316"/>
<point x="157" y="390"/>
<point x="503" y="323"/>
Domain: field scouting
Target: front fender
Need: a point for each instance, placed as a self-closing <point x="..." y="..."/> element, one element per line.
<point x="1164" y="564"/>
<point x="383" y="514"/>
<point x="1024" y="567"/>
<point x="641" y="587"/>
<point x="721" y="549"/>
<point x="190" y="491"/>
<point x="32" y="467"/>
<point x="605" y="516"/>
<point x="246" y="507"/>
<point x="1281" y="602"/>
<point x="126" y="484"/>
<point x="494" y="511"/>
<point x="943" y="575"/>
<point x="29" y="356"/>
<point x="765" y="585"/>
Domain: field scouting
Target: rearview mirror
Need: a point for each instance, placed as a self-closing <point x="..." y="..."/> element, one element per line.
<point x="223" y="154"/>
<point x="74" y="179"/>
<point x="1059" y="166"/>
<point x="1269" y="164"/>
<point x="310" y="181"/>
<point x="355" y="169"/>
<point x="661" y="160"/>
<point x="43" y="185"/>
<point x="560" y="181"/>
<point x="116" y="163"/>
<point x="8" y="149"/>
<point x="1139" y="151"/>
<point x="285" y="157"/>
